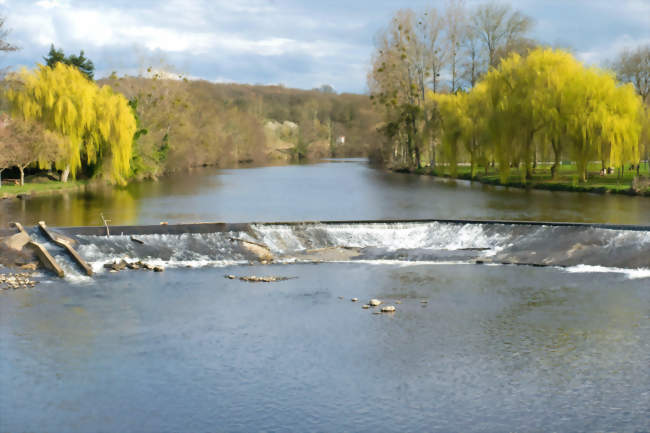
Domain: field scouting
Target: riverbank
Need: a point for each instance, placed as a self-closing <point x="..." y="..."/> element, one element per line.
<point x="40" y="188"/>
<point x="567" y="179"/>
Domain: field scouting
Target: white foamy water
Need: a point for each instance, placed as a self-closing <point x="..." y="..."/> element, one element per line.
<point x="392" y="236"/>
<point x="379" y="243"/>
<point x="632" y="274"/>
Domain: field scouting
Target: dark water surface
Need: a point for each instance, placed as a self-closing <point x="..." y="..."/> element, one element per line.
<point x="494" y="348"/>
<point x="328" y="191"/>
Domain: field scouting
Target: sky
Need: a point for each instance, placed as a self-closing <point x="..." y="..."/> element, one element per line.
<point x="301" y="44"/>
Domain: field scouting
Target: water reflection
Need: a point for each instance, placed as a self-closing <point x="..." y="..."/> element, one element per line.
<point x="326" y="191"/>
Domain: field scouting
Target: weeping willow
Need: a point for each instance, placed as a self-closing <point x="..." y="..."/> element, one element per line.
<point x="546" y="102"/>
<point x="97" y="124"/>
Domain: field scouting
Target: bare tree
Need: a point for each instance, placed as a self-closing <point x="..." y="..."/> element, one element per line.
<point x="24" y="143"/>
<point x="633" y="66"/>
<point x="474" y="64"/>
<point x="4" y="32"/>
<point x="455" y="20"/>
<point x="433" y="39"/>
<point x="499" y="29"/>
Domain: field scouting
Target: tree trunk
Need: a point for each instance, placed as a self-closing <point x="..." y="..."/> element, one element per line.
<point x="22" y="175"/>
<point x="65" y="174"/>
<point x="556" y="162"/>
<point x="1" y="170"/>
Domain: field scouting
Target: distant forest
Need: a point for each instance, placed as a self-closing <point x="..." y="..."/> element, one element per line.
<point x="188" y="123"/>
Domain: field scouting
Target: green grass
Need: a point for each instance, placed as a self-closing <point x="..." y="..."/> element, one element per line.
<point x="567" y="179"/>
<point x="40" y="187"/>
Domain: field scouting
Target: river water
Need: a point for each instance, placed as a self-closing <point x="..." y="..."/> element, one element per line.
<point x="470" y="348"/>
<point x="338" y="190"/>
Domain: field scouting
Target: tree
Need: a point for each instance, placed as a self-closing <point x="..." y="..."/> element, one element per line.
<point x="25" y="142"/>
<point x="433" y="25"/>
<point x="499" y="27"/>
<point x="398" y="84"/>
<point x="4" y="32"/>
<point x="455" y="34"/>
<point x="81" y="62"/>
<point x="97" y="124"/>
<point x="633" y="66"/>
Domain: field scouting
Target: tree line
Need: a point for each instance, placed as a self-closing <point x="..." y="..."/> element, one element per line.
<point x="57" y="117"/>
<point x="470" y="86"/>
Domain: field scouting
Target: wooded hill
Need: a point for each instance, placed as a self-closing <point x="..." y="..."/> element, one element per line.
<point x="186" y="123"/>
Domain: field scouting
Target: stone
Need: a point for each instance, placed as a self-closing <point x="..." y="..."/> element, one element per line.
<point x="388" y="309"/>
<point x="158" y="269"/>
<point x="16" y="242"/>
<point x="354" y="299"/>
<point x="374" y="302"/>
<point x="29" y="266"/>
<point x="365" y="307"/>
<point x="231" y="277"/>
<point x="261" y="252"/>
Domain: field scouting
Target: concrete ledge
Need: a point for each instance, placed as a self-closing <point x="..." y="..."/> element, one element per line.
<point x="65" y="242"/>
<point x="177" y="229"/>
<point x="46" y="258"/>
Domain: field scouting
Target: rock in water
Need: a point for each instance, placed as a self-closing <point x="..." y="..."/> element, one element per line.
<point x="354" y="299"/>
<point x="374" y="302"/>
<point x="388" y="309"/>
<point x="158" y="269"/>
<point x="261" y="252"/>
<point x="365" y="307"/>
<point x="16" y="242"/>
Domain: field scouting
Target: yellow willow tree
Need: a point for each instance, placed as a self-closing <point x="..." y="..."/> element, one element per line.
<point x="604" y="120"/>
<point x="452" y="112"/>
<point x="477" y="140"/>
<point x="551" y="71"/>
<point x="504" y="116"/>
<point x="97" y="124"/>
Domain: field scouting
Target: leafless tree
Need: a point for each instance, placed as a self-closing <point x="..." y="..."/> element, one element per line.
<point x="499" y="28"/>
<point x="4" y="32"/>
<point x="633" y="66"/>
<point x="455" y="26"/>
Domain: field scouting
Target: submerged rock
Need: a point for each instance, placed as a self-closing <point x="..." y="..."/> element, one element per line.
<point x="365" y="307"/>
<point x="117" y="266"/>
<point x="388" y="309"/>
<point x="254" y="279"/>
<point x="261" y="252"/>
<point x="29" y="266"/>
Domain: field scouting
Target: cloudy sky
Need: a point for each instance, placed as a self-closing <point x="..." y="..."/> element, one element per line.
<point x="297" y="43"/>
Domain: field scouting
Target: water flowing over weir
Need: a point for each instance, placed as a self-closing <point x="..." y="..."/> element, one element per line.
<point x="580" y="247"/>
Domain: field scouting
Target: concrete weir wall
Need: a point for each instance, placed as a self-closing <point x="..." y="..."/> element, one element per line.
<point x="176" y="229"/>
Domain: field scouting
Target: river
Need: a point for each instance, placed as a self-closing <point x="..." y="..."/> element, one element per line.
<point x="337" y="190"/>
<point x="470" y="348"/>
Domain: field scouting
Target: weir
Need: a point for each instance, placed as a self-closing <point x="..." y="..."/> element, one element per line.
<point x="376" y="241"/>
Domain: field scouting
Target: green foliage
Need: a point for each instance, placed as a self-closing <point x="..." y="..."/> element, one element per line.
<point x="191" y="123"/>
<point x="81" y="62"/>
<point x="96" y="123"/>
<point x="546" y="102"/>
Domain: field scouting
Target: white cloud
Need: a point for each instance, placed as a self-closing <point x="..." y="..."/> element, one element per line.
<point x="599" y="55"/>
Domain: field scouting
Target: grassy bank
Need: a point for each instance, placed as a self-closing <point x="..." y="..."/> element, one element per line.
<point x="38" y="188"/>
<point x="567" y="179"/>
